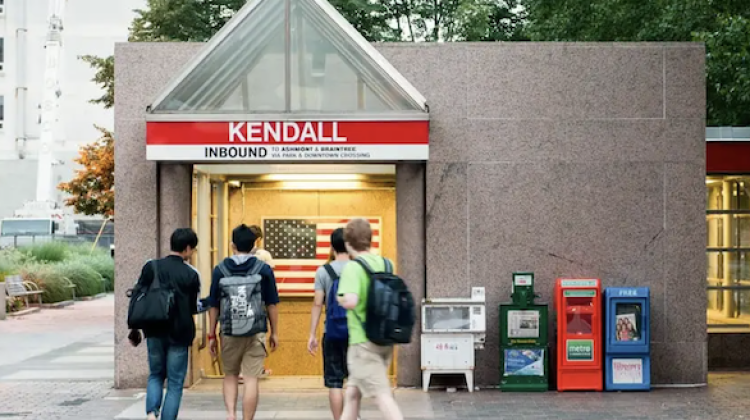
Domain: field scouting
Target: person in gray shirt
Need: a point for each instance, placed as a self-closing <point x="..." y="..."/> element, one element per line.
<point x="334" y="346"/>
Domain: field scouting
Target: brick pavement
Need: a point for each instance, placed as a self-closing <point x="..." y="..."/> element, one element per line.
<point x="58" y="364"/>
<point x="79" y="339"/>
<point x="725" y="398"/>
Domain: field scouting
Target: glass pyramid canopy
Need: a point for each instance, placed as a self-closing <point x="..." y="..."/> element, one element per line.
<point x="289" y="56"/>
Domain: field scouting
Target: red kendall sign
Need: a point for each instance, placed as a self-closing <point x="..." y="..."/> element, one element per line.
<point x="292" y="141"/>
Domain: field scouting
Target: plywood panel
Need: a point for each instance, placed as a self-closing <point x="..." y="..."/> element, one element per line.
<point x="292" y="358"/>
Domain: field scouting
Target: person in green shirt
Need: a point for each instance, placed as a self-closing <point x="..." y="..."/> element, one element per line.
<point x="367" y="362"/>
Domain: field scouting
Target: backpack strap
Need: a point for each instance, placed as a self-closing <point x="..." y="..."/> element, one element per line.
<point x="364" y="265"/>
<point x="256" y="267"/>
<point x="224" y="269"/>
<point x="388" y="266"/>
<point x="331" y="272"/>
<point x="155" y="267"/>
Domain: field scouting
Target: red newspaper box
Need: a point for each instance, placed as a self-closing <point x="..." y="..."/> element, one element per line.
<point x="579" y="335"/>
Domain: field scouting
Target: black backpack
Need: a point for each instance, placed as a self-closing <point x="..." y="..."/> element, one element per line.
<point x="390" y="307"/>
<point x="150" y="306"/>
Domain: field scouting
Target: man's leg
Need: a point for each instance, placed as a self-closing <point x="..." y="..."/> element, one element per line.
<point x="388" y="407"/>
<point x="336" y="401"/>
<point x="351" y="403"/>
<point x="177" y="364"/>
<point x="232" y="349"/>
<point x="250" y="398"/>
<point x="252" y="370"/>
<point x="334" y="373"/>
<point x="231" y="383"/>
<point x="157" y="364"/>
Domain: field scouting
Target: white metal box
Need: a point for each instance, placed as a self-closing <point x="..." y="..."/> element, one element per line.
<point x="447" y="352"/>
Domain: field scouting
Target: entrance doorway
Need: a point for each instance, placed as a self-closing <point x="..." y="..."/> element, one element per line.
<point x="297" y="207"/>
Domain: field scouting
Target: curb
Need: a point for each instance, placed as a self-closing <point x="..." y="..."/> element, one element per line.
<point x="88" y="298"/>
<point x="24" y="312"/>
<point x="58" y="305"/>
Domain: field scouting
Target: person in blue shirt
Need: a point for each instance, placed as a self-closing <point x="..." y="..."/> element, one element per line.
<point x="244" y="296"/>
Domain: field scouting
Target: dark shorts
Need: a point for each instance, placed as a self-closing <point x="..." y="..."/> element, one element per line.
<point x="334" y="363"/>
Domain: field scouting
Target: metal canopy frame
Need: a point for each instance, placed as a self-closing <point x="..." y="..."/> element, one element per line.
<point x="365" y="61"/>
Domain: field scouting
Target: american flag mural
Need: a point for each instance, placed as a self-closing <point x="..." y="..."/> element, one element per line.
<point x="299" y="245"/>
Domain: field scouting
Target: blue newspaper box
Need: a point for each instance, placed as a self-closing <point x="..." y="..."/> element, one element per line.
<point x="627" y="349"/>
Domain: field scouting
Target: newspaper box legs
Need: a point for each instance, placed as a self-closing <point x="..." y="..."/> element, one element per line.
<point x="579" y="335"/>
<point x="628" y="337"/>
<point x="523" y="339"/>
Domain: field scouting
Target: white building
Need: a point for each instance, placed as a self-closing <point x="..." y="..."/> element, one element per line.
<point x="90" y="27"/>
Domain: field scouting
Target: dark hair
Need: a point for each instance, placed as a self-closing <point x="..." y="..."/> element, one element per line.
<point x="243" y="238"/>
<point x="337" y="241"/>
<point x="257" y="232"/>
<point x="182" y="239"/>
<point x="358" y="234"/>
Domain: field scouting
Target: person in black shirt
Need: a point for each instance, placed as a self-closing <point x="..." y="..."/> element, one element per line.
<point x="168" y="346"/>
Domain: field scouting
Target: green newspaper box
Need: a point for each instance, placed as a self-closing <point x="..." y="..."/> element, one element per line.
<point x="524" y="356"/>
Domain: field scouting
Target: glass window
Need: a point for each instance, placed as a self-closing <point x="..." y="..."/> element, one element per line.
<point x="627" y="321"/>
<point x="579" y="313"/>
<point x="2" y="110"/>
<point x="728" y="252"/>
<point x="2" y="51"/>
<point x="25" y="227"/>
<point x="288" y="57"/>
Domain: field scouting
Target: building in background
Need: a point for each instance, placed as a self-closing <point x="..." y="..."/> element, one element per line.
<point x="90" y="27"/>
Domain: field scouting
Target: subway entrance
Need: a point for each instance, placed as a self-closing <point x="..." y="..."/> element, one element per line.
<point x="296" y="207"/>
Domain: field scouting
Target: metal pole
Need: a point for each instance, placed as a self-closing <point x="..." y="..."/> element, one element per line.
<point x="287" y="57"/>
<point x="2" y="296"/>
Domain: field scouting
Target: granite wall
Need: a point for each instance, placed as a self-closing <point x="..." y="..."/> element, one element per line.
<point x="562" y="159"/>
<point x="569" y="160"/>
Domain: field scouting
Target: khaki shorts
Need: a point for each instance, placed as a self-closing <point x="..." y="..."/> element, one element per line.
<point x="368" y="368"/>
<point x="243" y="355"/>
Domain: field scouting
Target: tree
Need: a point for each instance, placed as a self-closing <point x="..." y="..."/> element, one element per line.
<point x="105" y="76"/>
<point x="721" y="24"/>
<point x="728" y="69"/>
<point x="182" y="20"/>
<point x="92" y="190"/>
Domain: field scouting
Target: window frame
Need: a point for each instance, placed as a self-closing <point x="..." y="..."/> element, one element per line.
<point x="735" y="289"/>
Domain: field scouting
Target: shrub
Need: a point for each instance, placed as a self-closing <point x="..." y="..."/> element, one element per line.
<point x="11" y="260"/>
<point x="48" y="279"/>
<point x="50" y="252"/>
<point x="103" y="264"/>
<point x="87" y="280"/>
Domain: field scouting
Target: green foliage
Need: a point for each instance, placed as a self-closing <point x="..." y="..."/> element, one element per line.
<point x="49" y="252"/>
<point x="728" y="69"/>
<point x="87" y="280"/>
<point x="103" y="264"/>
<point x="48" y="279"/>
<point x="182" y="20"/>
<point x="105" y="77"/>
<point x="11" y="261"/>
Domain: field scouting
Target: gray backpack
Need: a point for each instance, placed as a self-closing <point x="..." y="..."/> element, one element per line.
<point x="243" y="313"/>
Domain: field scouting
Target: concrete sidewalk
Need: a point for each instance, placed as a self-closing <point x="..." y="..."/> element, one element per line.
<point x="725" y="398"/>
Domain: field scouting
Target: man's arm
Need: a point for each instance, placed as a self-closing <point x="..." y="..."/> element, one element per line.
<point x="320" y="296"/>
<point x="271" y="299"/>
<point x="214" y="301"/>
<point x="317" y="310"/>
<point x="348" y="293"/>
